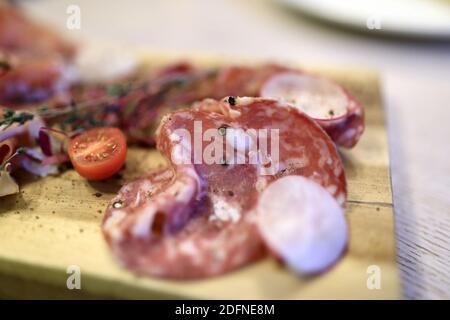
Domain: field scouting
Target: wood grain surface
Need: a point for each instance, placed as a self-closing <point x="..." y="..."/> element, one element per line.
<point x="55" y="222"/>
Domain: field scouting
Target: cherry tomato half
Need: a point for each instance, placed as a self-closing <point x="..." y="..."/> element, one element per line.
<point x="98" y="153"/>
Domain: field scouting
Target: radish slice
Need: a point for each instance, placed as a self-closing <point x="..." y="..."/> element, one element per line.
<point x="302" y="224"/>
<point x="317" y="97"/>
<point x="333" y="108"/>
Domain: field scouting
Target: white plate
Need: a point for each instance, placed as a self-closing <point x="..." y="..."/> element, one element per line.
<point x="423" y="18"/>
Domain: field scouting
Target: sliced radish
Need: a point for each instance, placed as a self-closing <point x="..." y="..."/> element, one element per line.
<point x="317" y="97"/>
<point x="339" y="114"/>
<point x="302" y="224"/>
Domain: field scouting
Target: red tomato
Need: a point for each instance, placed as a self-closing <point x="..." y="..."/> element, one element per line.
<point x="98" y="153"/>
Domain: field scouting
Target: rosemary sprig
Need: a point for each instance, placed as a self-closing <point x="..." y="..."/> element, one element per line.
<point x="11" y="116"/>
<point x="118" y="90"/>
<point x="72" y="111"/>
<point x="113" y="92"/>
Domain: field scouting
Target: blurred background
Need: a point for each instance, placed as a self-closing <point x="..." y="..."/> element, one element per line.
<point x="406" y="41"/>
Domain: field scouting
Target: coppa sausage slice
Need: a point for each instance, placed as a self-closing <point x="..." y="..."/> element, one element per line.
<point x="161" y="203"/>
<point x="219" y="233"/>
<point x="205" y="246"/>
<point x="303" y="147"/>
<point x="243" y="80"/>
<point x="34" y="81"/>
<point x="341" y="116"/>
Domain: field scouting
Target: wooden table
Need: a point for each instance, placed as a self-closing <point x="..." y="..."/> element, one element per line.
<point x="416" y="85"/>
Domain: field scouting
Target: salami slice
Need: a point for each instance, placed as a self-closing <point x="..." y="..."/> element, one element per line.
<point x="18" y="33"/>
<point x="243" y="80"/>
<point x="330" y="105"/>
<point x="213" y="229"/>
<point x="204" y="247"/>
<point x="139" y="111"/>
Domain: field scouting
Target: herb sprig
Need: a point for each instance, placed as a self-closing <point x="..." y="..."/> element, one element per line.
<point x="11" y="116"/>
<point x="77" y="113"/>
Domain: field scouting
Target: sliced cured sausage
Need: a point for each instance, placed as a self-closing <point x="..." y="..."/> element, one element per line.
<point x="140" y="240"/>
<point x="138" y="111"/>
<point x="20" y="34"/>
<point x="243" y="81"/>
<point x="198" y="217"/>
<point x="329" y="104"/>
<point x="303" y="148"/>
<point x="34" y="81"/>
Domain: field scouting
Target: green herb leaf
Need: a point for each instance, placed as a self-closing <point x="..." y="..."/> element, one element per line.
<point x="11" y="116"/>
<point x="222" y="131"/>
<point x="42" y="108"/>
<point x="24" y="117"/>
<point x="117" y="90"/>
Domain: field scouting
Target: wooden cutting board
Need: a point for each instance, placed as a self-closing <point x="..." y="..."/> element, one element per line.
<point x="54" y="223"/>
